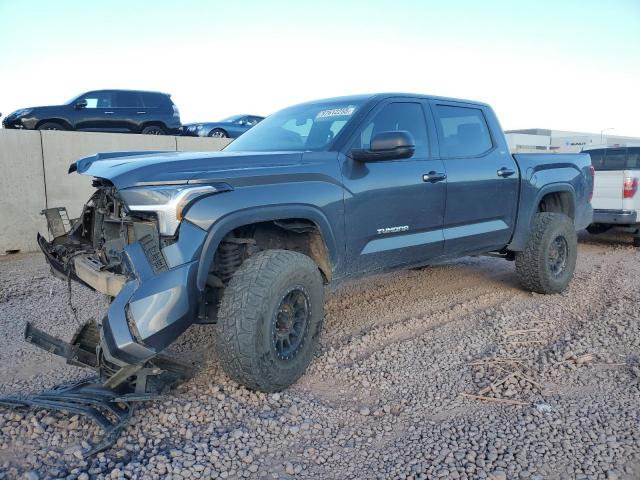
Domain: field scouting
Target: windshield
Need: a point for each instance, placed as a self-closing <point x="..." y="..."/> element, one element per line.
<point x="311" y="126"/>
<point x="73" y="100"/>
<point x="232" y="118"/>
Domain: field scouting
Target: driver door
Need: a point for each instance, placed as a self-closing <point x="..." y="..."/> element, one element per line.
<point x="394" y="216"/>
<point x="98" y="114"/>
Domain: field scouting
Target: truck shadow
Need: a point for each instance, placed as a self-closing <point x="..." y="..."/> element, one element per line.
<point x="610" y="238"/>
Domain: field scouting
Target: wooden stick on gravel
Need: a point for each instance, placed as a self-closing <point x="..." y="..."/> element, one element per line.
<point x="497" y="383"/>
<point x="531" y="381"/>
<point x="491" y="399"/>
<point x="523" y="331"/>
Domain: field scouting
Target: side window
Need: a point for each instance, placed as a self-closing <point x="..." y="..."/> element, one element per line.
<point x="615" y="159"/>
<point x="155" y="100"/>
<point x="597" y="158"/>
<point x="99" y="100"/>
<point x="463" y="132"/>
<point x="406" y="116"/>
<point x="633" y="158"/>
<point x="128" y="100"/>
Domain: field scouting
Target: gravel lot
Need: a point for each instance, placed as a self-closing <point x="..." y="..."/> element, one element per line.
<point x="384" y="397"/>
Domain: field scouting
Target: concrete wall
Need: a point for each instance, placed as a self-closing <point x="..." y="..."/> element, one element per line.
<point x="22" y="190"/>
<point x="33" y="174"/>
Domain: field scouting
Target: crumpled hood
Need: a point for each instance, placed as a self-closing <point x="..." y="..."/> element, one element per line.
<point x="130" y="169"/>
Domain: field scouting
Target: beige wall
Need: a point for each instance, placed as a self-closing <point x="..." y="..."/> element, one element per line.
<point x="33" y="174"/>
<point x="22" y="190"/>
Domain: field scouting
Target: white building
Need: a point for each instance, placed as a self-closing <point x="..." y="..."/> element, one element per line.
<point x="560" y="141"/>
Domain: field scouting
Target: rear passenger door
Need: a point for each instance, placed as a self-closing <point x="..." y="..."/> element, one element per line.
<point x="482" y="179"/>
<point x="128" y="113"/>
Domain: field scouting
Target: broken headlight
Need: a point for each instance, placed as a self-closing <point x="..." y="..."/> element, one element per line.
<point x="168" y="202"/>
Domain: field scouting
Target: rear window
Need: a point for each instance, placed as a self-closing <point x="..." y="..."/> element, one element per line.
<point x="463" y="131"/>
<point x="612" y="159"/>
<point x="156" y="100"/>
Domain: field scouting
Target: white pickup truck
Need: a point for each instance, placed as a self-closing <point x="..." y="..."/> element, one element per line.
<point x="616" y="201"/>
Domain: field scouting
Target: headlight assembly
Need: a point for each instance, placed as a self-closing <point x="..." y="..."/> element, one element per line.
<point x="168" y="202"/>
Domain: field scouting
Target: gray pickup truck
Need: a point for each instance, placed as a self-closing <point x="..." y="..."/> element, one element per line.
<point x="248" y="238"/>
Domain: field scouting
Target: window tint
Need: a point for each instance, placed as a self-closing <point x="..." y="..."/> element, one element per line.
<point x="99" y="100"/>
<point x="128" y="100"/>
<point x="597" y="158"/>
<point x="463" y="131"/>
<point x="155" y="100"/>
<point x="393" y="117"/>
<point x="615" y="160"/>
<point x="633" y="158"/>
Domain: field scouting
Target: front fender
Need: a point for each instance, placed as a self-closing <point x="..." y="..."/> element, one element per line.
<point x="258" y="214"/>
<point x="309" y="187"/>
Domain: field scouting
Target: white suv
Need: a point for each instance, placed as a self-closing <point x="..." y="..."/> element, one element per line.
<point x="616" y="201"/>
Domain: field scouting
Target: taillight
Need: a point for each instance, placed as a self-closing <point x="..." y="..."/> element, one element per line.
<point x="630" y="187"/>
<point x="593" y="181"/>
<point x="176" y="112"/>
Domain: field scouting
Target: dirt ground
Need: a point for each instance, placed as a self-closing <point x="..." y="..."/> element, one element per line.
<point x="450" y="371"/>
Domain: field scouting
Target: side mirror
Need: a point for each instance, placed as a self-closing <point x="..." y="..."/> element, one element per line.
<point x="387" y="146"/>
<point x="80" y="104"/>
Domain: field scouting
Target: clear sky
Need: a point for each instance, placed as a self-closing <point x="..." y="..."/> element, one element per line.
<point x="563" y="64"/>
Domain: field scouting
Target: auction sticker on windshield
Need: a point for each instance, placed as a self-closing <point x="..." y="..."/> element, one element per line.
<point x="336" y="112"/>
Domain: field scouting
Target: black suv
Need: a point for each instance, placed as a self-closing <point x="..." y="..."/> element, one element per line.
<point x="128" y="111"/>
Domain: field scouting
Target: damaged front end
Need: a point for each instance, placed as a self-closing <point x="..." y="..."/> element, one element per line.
<point x="117" y="251"/>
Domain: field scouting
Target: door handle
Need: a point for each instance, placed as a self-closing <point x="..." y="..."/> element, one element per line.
<point x="108" y="113"/>
<point x="505" y="172"/>
<point x="433" y="177"/>
<point x="141" y="112"/>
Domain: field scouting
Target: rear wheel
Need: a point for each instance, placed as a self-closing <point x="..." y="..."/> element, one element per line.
<point x="51" y="126"/>
<point x="270" y="319"/>
<point x="153" y="130"/>
<point x="549" y="259"/>
<point x="218" y="133"/>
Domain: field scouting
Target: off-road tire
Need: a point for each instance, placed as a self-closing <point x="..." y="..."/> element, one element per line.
<point x="51" y="126"/>
<point x="533" y="264"/>
<point x="245" y="338"/>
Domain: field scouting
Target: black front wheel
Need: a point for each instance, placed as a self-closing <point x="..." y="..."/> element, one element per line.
<point x="218" y="133"/>
<point x="270" y="319"/>
<point x="51" y="126"/>
<point x="153" y="130"/>
<point x="549" y="259"/>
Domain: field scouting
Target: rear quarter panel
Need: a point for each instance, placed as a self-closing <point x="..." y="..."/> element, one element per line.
<point x="544" y="173"/>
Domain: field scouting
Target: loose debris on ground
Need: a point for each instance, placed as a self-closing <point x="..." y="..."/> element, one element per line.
<point x="450" y="371"/>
